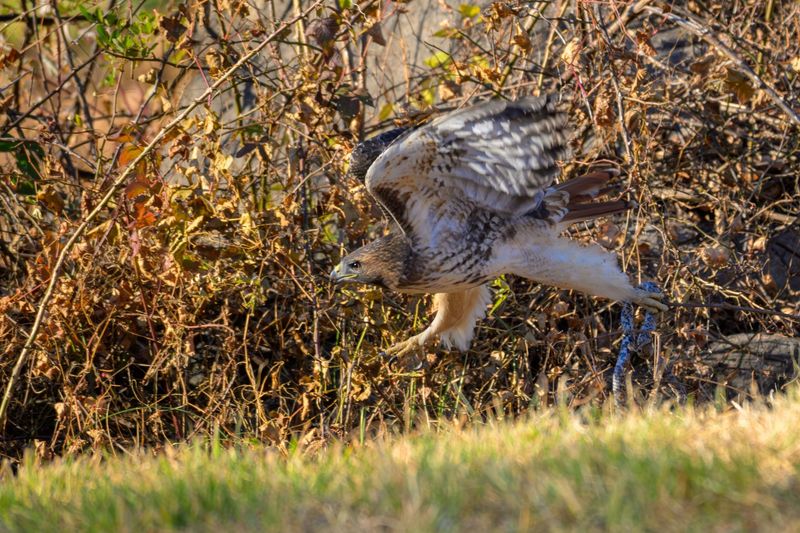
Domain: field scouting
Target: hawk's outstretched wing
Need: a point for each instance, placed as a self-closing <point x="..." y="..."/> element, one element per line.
<point x="497" y="156"/>
<point x="365" y="153"/>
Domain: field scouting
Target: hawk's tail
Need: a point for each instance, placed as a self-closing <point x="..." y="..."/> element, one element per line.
<point x="582" y="190"/>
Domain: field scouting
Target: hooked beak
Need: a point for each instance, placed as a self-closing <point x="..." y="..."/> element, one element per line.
<point x="338" y="275"/>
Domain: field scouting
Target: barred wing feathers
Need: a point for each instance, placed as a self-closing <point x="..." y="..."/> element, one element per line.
<point x="497" y="156"/>
<point x="365" y="153"/>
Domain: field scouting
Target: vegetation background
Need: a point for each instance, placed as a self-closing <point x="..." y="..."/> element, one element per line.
<point x="173" y="193"/>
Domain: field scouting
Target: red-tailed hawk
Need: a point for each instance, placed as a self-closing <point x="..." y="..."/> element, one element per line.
<point x="473" y="197"/>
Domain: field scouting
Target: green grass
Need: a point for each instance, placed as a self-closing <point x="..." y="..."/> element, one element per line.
<point x="660" y="470"/>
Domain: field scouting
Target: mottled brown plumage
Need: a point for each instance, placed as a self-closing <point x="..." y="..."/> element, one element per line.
<point x="383" y="262"/>
<point x="472" y="196"/>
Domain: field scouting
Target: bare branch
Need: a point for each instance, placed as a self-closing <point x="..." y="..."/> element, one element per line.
<point x="56" y="271"/>
<point x="707" y="35"/>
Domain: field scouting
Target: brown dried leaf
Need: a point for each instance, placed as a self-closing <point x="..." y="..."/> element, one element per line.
<point x="172" y="27"/>
<point x="609" y="235"/>
<point x="523" y="41"/>
<point x="48" y="196"/>
<point x="322" y="32"/>
<point x="137" y="191"/>
<point x="500" y="10"/>
<point x="739" y="85"/>
<point x="377" y="34"/>
<point x="702" y="67"/>
<point x="8" y="58"/>
<point x="128" y="154"/>
<point x="715" y="256"/>
<point x="604" y="113"/>
<point x="144" y="216"/>
<point x="643" y="41"/>
<point x="696" y="334"/>
<point x="216" y="62"/>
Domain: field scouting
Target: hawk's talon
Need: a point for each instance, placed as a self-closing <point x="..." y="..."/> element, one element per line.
<point x="651" y="301"/>
<point x="403" y="347"/>
<point x="391" y="360"/>
<point x="400" y="350"/>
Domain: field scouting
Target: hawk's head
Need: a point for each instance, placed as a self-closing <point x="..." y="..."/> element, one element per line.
<point x="381" y="262"/>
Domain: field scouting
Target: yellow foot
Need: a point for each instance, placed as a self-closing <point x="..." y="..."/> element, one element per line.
<point x="652" y="301"/>
<point x="402" y="348"/>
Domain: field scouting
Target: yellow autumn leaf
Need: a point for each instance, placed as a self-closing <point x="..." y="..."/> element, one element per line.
<point x="571" y="53"/>
<point x="222" y="161"/>
<point x="210" y="124"/>
<point x="386" y="111"/>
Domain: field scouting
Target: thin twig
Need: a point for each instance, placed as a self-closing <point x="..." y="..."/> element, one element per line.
<point x="548" y="48"/>
<point x="731" y="307"/>
<point x="52" y="93"/>
<point x="629" y="14"/>
<point x="626" y="138"/>
<point x="707" y="35"/>
<point x="23" y="356"/>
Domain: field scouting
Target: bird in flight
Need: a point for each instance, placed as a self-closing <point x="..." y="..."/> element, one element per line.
<point x="472" y="196"/>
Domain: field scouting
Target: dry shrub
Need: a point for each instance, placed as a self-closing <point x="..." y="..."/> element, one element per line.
<point x="198" y="303"/>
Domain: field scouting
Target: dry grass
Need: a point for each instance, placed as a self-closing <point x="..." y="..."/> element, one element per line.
<point x="197" y="303"/>
<point x="679" y="470"/>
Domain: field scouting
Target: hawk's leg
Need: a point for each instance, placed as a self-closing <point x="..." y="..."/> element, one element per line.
<point x="456" y="314"/>
<point x="588" y="269"/>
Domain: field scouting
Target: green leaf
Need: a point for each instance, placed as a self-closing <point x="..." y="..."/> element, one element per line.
<point x="439" y="59"/>
<point x="469" y="11"/>
<point x="36" y="149"/>
<point x="29" y="156"/>
<point x="449" y="33"/>
<point x="345" y="4"/>
<point x="12" y="145"/>
<point x="86" y="13"/>
<point x="480" y="61"/>
<point x="102" y="35"/>
<point x="25" y="188"/>
<point x="386" y="111"/>
<point x="110" y="79"/>
<point x="8" y="146"/>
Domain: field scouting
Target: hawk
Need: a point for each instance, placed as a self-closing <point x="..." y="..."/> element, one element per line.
<point x="472" y="196"/>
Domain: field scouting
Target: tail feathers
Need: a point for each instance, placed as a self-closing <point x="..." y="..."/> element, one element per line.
<point x="584" y="189"/>
<point x="588" y="186"/>
<point x="571" y="201"/>
<point x="589" y="211"/>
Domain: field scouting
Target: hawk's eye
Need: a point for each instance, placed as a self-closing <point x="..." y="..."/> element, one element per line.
<point x="355" y="265"/>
